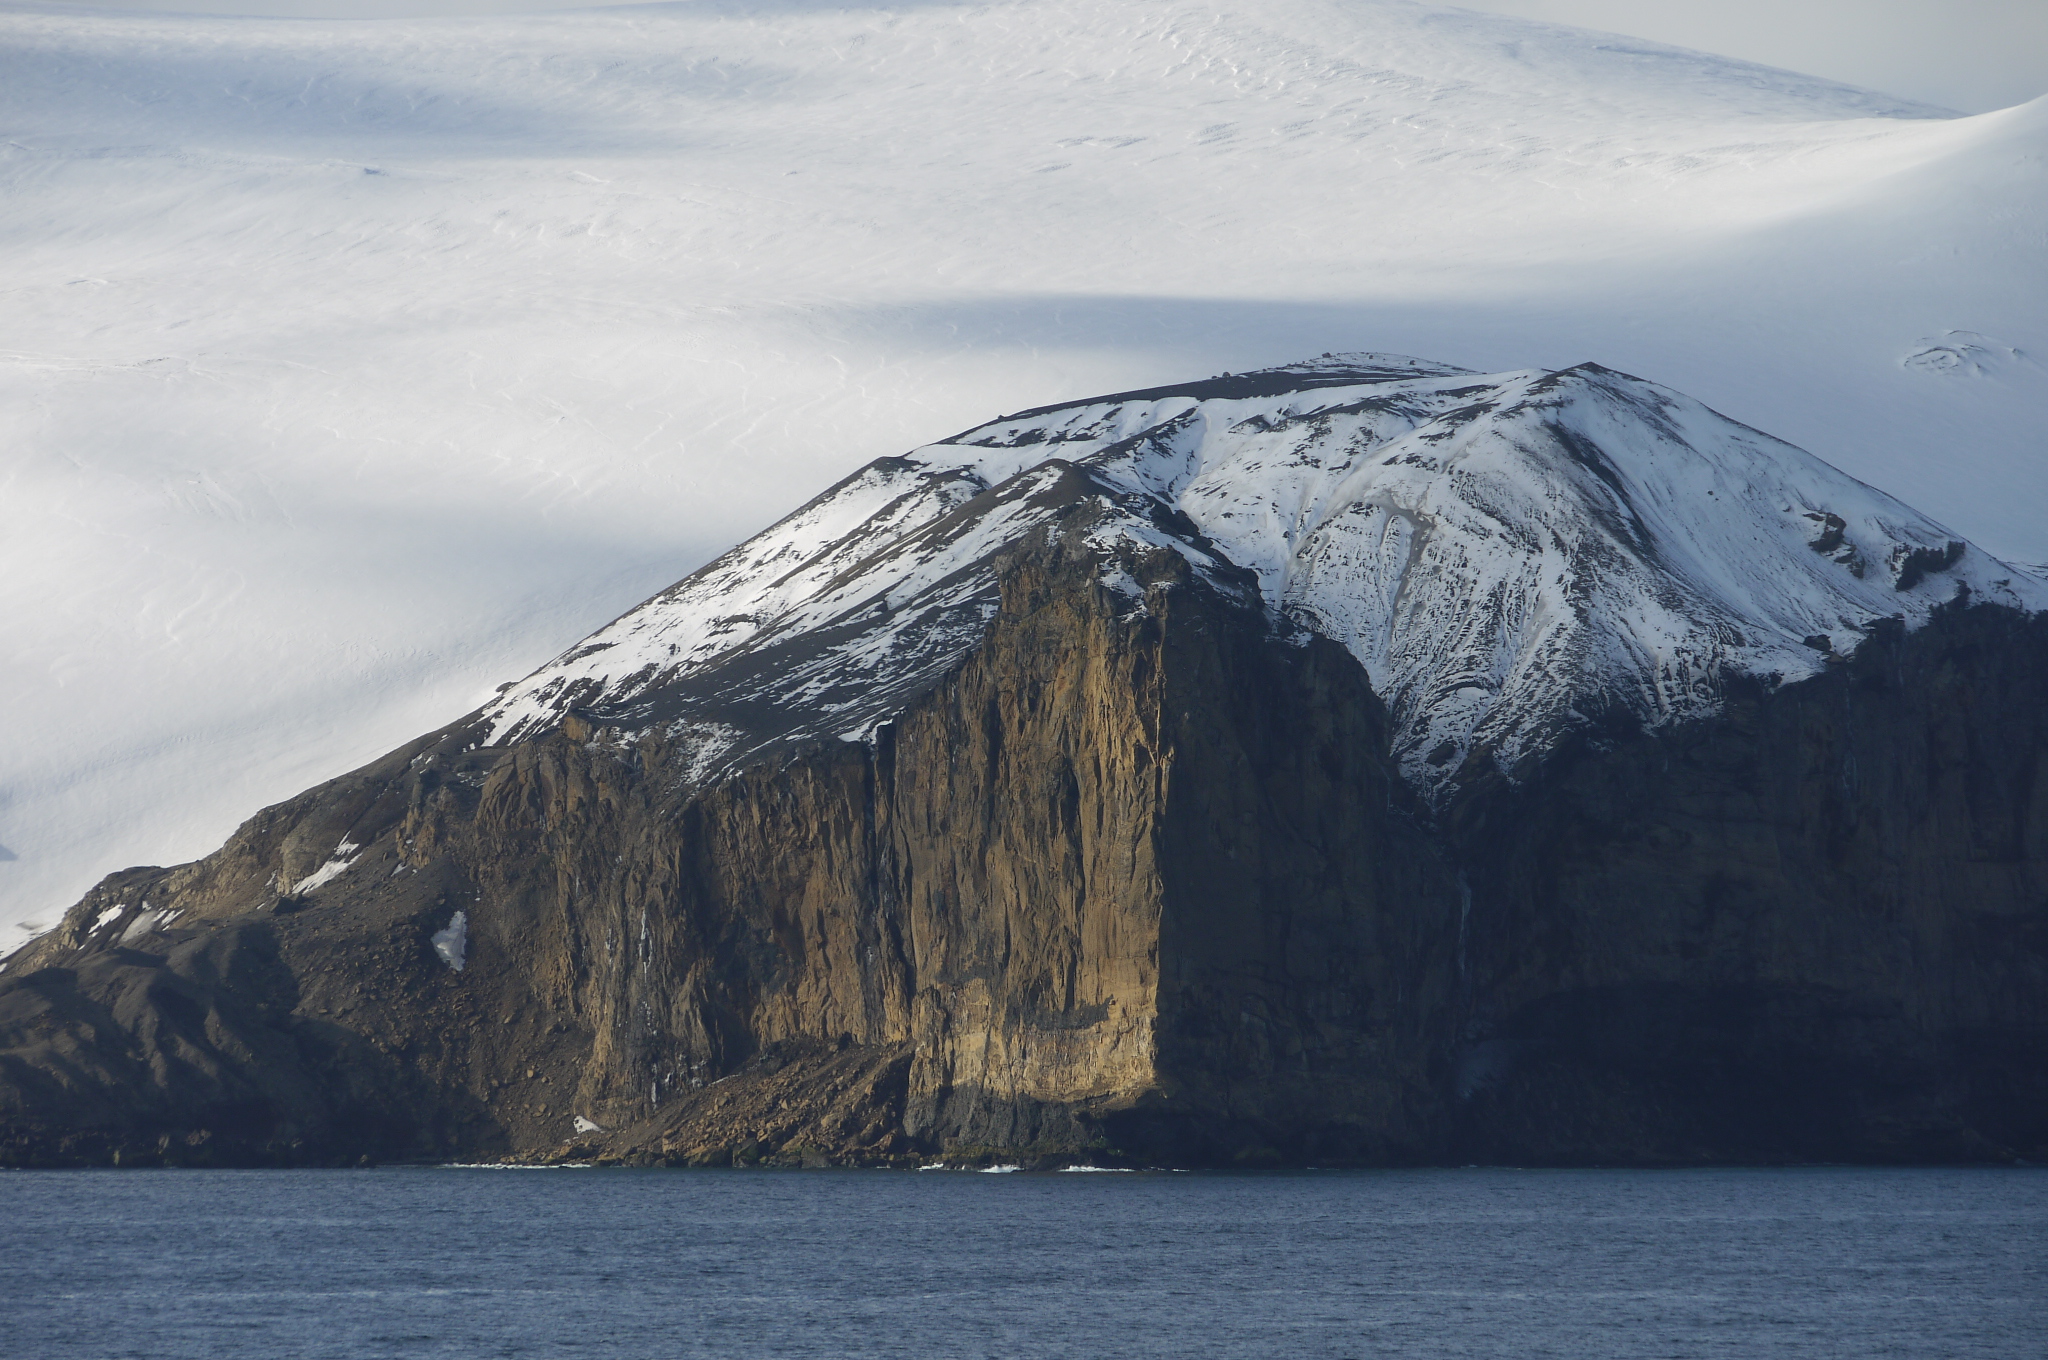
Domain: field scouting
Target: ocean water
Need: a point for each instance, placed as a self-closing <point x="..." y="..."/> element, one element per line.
<point x="616" y="1263"/>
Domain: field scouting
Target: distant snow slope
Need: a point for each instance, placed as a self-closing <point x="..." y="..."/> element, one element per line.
<point x="347" y="368"/>
<point x="1512" y="557"/>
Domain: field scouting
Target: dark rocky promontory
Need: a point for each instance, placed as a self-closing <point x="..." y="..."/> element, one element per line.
<point x="1136" y="868"/>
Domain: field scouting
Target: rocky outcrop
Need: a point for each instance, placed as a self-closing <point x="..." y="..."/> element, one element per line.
<point x="1128" y="867"/>
<point x="1815" y="928"/>
<point x="1013" y="920"/>
<point x="1130" y="884"/>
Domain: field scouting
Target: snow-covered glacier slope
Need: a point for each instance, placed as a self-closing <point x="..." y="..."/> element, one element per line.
<point x="1512" y="557"/>
<point x="350" y="367"/>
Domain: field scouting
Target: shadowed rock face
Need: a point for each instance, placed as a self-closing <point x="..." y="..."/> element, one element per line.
<point x="1048" y="834"/>
<point x="1814" y="928"/>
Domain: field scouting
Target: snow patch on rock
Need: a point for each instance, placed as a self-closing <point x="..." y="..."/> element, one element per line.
<point x="338" y="864"/>
<point x="451" y="942"/>
<point x="1962" y="354"/>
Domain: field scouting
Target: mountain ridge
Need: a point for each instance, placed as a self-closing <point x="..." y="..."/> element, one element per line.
<point x="1775" y="590"/>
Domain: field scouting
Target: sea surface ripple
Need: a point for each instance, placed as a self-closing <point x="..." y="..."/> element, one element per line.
<point x="476" y="1262"/>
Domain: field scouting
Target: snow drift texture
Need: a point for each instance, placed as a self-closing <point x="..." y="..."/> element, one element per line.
<point x="352" y="367"/>
<point x="1511" y="557"/>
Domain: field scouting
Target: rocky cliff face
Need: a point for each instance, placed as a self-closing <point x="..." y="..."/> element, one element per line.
<point x="1813" y="928"/>
<point x="1015" y="817"/>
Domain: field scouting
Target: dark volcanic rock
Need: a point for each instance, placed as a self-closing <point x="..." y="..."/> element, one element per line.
<point x="1815" y="928"/>
<point x="1105" y="891"/>
<point x="1126" y="867"/>
<point x="1136" y="887"/>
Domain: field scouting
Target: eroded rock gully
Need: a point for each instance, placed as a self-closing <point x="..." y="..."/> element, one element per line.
<point x="1129" y="882"/>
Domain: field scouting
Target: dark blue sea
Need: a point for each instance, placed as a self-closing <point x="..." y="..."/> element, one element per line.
<point x="616" y="1263"/>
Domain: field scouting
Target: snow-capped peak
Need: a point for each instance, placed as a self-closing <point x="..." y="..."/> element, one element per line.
<point x="1510" y="556"/>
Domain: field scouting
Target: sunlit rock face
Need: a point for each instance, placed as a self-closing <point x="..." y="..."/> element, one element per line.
<point x="1360" y="761"/>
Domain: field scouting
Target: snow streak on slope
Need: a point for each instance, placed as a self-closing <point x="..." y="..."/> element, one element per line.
<point x="349" y="367"/>
<point x="1512" y="557"/>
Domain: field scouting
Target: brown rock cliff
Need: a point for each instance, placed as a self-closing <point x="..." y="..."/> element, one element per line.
<point x="1129" y="881"/>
